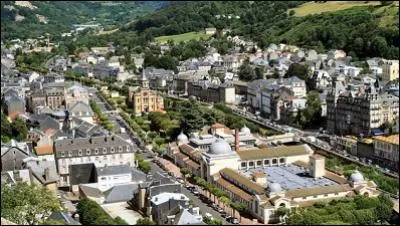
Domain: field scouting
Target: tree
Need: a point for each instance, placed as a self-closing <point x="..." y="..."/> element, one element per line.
<point x="282" y="212"/>
<point x="212" y="221"/>
<point x="246" y="72"/>
<point x="291" y="12"/>
<point x="19" y="129"/>
<point x="383" y="212"/>
<point x="27" y="204"/>
<point x="145" y="221"/>
<point x="259" y="72"/>
<point x="185" y="172"/>
<point x="298" y="70"/>
<point x="91" y="213"/>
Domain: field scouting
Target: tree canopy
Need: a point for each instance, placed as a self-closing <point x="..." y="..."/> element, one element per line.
<point x="27" y="204"/>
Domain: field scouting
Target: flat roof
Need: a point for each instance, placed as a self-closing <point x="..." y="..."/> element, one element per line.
<point x="275" y="152"/>
<point x="290" y="177"/>
<point x="392" y="139"/>
<point x="166" y="196"/>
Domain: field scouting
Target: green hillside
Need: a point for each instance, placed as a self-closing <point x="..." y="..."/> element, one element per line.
<point x="362" y="31"/>
<point x="62" y="15"/>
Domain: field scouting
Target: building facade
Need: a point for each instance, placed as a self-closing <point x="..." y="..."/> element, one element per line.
<point x="103" y="150"/>
<point x="208" y="92"/>
<point x="390" y="70"/>
<point x="359" y="111"/>
<point x="145" y="100"/>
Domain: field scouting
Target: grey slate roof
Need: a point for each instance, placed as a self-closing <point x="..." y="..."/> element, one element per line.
<point x="90" y="191"/>
<point x="186" y="218"/>
<point x="113" y="170"/>
<point x="80" y="106"/>
<point x="108" y="142"/>
<point x="120" y="193"/>
<point x="63" y="216"/>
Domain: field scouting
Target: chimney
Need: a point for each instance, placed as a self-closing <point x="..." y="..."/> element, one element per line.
<point x="46" y="173"/>
<point x="236" y="139"/>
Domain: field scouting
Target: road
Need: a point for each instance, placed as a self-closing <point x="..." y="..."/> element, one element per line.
<point x="318" y="143"/>
<point x="196" y="201"/>
<point x="147" y="154"/>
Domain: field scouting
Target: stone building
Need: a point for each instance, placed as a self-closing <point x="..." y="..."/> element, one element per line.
<point x="360" y="110"/>
<point x="209" y="92"/>
<point x="145" y="100"/>
<point x="390" y="70"/>
<point x="103" y="150"/>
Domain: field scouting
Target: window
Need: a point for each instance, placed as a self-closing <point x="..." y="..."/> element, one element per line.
<point x="251" y="163"/>
<point x="326" y="195"/>
<point x="88" y="151"/>
<point x="274" y="161"/>
<point x="244" y="164"/>
<point x="103" y="178"/>
<point x="315" y="196"/>
<point x="119" y="149"/>
<point x="104" y="150"/>
<point x="266" y="162"/>
<point x="282" y="160"/>
<point x="304" y="198"/>
<point x="259" y="163"/>
<point x="96" y="151"/>
<point x="80" y="152"/>
<point x="62" y="154"/>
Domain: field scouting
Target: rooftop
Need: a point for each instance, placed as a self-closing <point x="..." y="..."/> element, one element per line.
<point x="275" y="152"/>
<point x="290" y="177"/>
<point x="392" y="139"/>
<point x="166" y="196"/>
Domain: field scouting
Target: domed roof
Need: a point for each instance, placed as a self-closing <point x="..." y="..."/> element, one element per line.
<point x="356" y="177"/>
<point x="245" y="130"/>
<point x="274" y="187"/>
<point x="220" y="146"/>
<point x="182" y="138"/>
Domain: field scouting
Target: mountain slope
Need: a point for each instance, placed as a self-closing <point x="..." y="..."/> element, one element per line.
<point x="40" y="17"/>
<point x="362" y="31"/>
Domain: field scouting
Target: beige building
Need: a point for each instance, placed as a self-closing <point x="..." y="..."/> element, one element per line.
<point x="145" y="100"/>
<point x="390" y="70"/>
<point x="209" y="92"/>
<point x="265" y="179"/>
<point x="386" y="151"/>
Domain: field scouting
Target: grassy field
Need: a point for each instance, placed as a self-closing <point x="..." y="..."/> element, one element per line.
<point x="182" y="37"/>
<point x="313" y="8"/>
<point x="107" y="32"/>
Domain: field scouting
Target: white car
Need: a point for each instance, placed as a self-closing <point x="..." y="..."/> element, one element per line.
<point x="208" y="215"/>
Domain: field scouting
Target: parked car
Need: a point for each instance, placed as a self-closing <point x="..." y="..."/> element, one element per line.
<point x="180" y="180"/>
<point x="233" y="220"/>
<point x="224" y="214"/>
<point x="208" y="215"/>
<point x="220" y="210"/>
<point x="214" y="206"/>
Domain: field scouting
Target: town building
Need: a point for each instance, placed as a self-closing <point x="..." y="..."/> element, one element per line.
<point x="386" y="151"/>
<point x="209" y="92"/>
<point x="359" y="109"/>
<point x="145" y="100"/>
<point x="107" y="150"/>
<point x="390" y="70"/>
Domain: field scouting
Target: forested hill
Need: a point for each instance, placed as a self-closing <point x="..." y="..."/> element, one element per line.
<point x="31" y="19"/>
<point x="362" y="31"/>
